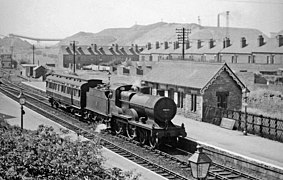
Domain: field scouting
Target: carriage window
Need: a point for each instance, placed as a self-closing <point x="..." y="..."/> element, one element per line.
<point x="79" y="95"/>
<point x="222" y="99"/>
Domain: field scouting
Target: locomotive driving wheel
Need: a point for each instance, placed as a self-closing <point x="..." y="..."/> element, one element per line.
<point x="131" y="131"/>
<point x="119" y="128"/>
<point x="154" y="141"/>
<point x="142" y="136"/>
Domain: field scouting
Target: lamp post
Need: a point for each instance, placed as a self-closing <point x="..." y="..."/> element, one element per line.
<point x="22" y="103"/>
<point x="109" y="77"/>
<point x="199" y="163"/>
<point x="245" y="104"/>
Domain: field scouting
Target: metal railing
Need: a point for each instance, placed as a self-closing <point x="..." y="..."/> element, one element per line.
<point x="271" y="128"/>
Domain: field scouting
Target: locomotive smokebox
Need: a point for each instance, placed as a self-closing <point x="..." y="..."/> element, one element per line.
<point x="157" y="108"/>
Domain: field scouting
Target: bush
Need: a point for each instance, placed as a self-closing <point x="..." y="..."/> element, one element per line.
<point x="44" y="154"/>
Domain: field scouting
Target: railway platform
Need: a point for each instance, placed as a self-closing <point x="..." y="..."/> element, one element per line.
<point x="10" y="111"/>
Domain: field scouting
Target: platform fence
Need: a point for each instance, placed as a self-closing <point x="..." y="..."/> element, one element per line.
<point x="267" y="127"/>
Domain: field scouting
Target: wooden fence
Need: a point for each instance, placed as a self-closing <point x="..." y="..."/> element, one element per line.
<point x="271" y="128"/>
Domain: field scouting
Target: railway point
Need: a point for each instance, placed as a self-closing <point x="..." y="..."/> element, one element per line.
<point x="10" y="111"/>
<point x="253" y="148"/>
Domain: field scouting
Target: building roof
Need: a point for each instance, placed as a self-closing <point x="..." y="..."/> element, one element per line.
<point x="28" y="65"/>
<point x="271" y="46"/>
<point x="37" y="67"/>
<point x="188" y="74"/>
<point x="100" y="50"/>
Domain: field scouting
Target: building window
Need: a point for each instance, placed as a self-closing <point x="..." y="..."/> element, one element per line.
<point x="193" y="102"/>
<point x="222" y="99"/>
<point x="180" y="99"/>
<point x="272" y="59"/>
<point x="249" y="60"/>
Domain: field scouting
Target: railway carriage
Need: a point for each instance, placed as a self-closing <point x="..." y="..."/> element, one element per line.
<point x="125" y="109"/>
<point x="69" y="91"/>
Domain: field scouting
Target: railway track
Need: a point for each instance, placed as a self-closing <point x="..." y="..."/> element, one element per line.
<point x="81" y="129"/>
<point x="216" y="172"/>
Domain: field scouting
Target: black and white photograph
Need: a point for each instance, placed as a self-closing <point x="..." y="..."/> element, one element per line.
<point x="141" y="90"/>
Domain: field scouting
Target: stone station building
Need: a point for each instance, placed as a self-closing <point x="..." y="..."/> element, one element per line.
<point x="194" y="86"/>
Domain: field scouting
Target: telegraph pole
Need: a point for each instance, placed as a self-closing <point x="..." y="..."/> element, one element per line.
<point x="73" y="43"/>
<point x="183" y="36"/>
<point x="33" y="54"/>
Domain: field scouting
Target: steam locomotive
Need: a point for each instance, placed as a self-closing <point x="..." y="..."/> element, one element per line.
<point x="127" y="110"/>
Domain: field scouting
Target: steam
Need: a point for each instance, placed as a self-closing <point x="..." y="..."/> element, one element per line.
<point x="100" y="127"/>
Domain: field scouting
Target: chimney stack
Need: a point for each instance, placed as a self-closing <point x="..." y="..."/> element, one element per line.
<point x="177" y="45"/>
<point x="157" y="45"/>
<point x="243" y="42"/>
<point x="149" y="46"/>
<point x="211" y="43"/>
<point x="95" y="47"/>
<point x="226" y="42"/>
<point x="166" y="45"/>
<point x="116" y="48"/>
<point x="188" y="44"/>
<point x="260" y="40"/>
<point x="199" y="44"/>
<point x="280" y="40"/>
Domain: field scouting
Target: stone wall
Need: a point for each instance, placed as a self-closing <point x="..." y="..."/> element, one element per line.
<point x="224" y="82"/>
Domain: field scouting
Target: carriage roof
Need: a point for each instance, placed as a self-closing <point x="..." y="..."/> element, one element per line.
<point x="69" y="79"/>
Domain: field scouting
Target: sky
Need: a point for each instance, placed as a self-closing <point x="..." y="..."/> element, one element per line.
<point x="63" y="18"/>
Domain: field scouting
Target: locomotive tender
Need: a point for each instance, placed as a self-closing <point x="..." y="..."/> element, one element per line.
<point x="127" y="111"/>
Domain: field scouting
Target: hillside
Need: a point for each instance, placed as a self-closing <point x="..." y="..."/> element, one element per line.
<point x="17" y="43"/>
<point x="138" y="34"/>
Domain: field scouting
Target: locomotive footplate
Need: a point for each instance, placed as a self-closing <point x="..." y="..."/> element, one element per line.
<point x="160" y="132"/>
